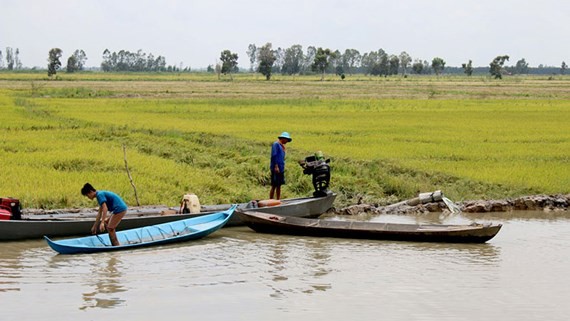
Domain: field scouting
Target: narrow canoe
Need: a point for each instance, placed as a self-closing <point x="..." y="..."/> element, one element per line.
<point x="270" y="223"/>
<point x="165" y="233"/>
<point x="71" y="224"/>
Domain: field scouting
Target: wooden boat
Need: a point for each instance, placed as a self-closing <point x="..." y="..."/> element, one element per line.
<point x="70" y="224"/>
<point x="165" y="233"/>
<point x="271" y="223"/>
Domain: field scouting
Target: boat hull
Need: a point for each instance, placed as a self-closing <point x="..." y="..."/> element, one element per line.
<point x="34" y="227"/>
<point x="159" y="234"/>
<point x="268" y="223"/>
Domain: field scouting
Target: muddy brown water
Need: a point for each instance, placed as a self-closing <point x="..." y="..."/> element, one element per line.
<point x="237" y="274"/>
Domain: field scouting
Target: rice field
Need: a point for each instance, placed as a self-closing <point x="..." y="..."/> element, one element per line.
<point x="387" y="138"/>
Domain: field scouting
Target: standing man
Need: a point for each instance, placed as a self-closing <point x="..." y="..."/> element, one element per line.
<point x="108" y="201"/>
<point x="277" y="165"/>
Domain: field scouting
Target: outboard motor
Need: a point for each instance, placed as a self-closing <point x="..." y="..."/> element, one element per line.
<point x="10" y="209"/>
<point x="317" y="166"/>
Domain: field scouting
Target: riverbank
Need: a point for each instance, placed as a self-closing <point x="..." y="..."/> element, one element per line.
<point x="546" y="203"/>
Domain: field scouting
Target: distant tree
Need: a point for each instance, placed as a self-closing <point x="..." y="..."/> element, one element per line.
<point x="1" y="60"/>
<point x="418" y="67"/>
<point x="309" y="58"/>
<point x="71" y="64"/>
<point x="375" y="63"/>
<point x="405" y="61"/>
<point x="210" y="68"/>
<point x="106" y="63"/>
<point x="17" y="61"/>
<point x="229" y="62"/>
<point x="322" y="61"/>
<point x="468" y="68"/>
<point x="496" y="66"/>
<point x="437" y="64"/>
<point x="279" y="59"/>
<point x="394" y="65"/>
<point x="218" y="70"/>
<point x="335" y="62"/>
<point x="9" y="58"/>
<point x="76" y="62"/>
<point x="125" y="60"/>
<point x="563" y="68"/>
<point x="427" y="67"/>
<point x="367" y="62"/>
<point x="350" y="60"/>
<point x="339" y="71"/>
<point x="521" y="67"/>
<point x="266" y="58"/>
<point x="382" y="67"/>
<point x="293" y="60"/>
<point x="252" y="54"/>
<point x="53" y="61"/>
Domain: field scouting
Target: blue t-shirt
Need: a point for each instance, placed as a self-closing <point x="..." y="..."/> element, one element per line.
<point x="277" y="157"/>
<point x="115" y="204"/>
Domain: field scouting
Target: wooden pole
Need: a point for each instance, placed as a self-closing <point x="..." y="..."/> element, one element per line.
<point x="129" y="174"/>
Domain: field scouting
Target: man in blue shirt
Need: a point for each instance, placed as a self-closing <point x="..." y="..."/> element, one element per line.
<point x="277" y="164"/>
<point x="108" y="201"/>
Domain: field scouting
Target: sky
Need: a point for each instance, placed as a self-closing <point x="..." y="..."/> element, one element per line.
<point x="192" y="33"/>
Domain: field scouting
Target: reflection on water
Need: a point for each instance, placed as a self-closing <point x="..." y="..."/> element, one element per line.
<point x="305" y="261"/>
<point x="237" y="274"/>
<point x="106" y="284"/>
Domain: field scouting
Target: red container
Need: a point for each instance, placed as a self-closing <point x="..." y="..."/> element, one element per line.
<point x="11" y="208"/>
<point x="5" y="215"/>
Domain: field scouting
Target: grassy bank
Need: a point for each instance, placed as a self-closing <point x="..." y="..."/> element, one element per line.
<point x="387" y="137"/>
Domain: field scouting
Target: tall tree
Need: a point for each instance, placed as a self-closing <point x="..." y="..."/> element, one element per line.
<point x="309" y="58"/>
<point x="17" y="61"/>
<point x="322" y="61"/>
<point x="293" y="60"/>
<point x="394" y="65"/>
<point x="496" y="66"/>
<point x="405" y="61"/>
<point x="384" y="64"/>
<point x="279" y="59"/>
<point x="335" y="63"/>
<point x="9" y="58"/>
<point x="521" y="67"/>
<point x="418" y="67"/>
<point x="437" y="64"/>
<point x="53" y="61"/>
<point x="76" y="62"/>
<point x="376" y="63"/>
<point x="350" y="60"/>
<point x="229" y="62"/>
<point x="252" y="54"/>
<point x="266" y="58"/>
<point x="468" y="68"/>
<point x="563" y="68"/>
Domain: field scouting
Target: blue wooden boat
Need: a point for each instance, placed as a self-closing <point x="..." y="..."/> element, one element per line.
<point x="165" y="233"/>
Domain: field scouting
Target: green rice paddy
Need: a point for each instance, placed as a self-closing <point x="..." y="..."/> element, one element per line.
<point x="387" y="138"/>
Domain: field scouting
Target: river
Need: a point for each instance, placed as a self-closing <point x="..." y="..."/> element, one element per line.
<point x="237" y="274"/>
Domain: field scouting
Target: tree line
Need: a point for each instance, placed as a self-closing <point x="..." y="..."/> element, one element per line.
<point x="293" y="60"/>
<point x="286" y="61"/>
<point x="12" y="59"/>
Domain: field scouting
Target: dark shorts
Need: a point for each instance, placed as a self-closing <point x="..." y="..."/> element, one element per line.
<point x="277" y="179"/>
